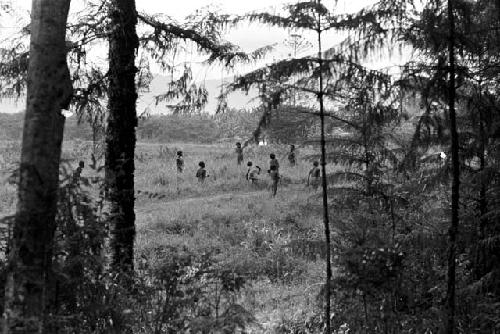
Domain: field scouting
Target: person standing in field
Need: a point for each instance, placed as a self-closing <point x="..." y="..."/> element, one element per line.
<point x="78" y="173"/>
<point x="250" y="167"/>
<point x="291" y="155"/>
<point x="314" y="176"/>
<point x="201" y="174"/>
<point x="239" y="153"/>
<point x="179" y="162"/>
<point x="275" y="177"/>
<point x="273" y="162"/>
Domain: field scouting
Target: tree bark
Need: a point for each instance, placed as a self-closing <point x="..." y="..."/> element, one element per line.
<point x="49" y="91"/>
<point x="120" y="132"/>
<point x="455" y="186"/>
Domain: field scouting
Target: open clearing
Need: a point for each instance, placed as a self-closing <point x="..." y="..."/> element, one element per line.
<point x="272" y="247"/>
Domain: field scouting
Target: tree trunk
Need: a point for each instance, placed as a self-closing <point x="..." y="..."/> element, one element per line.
<point x="455" y="186"/>
<point x="49" y="91"/>
<point x="120" y="132"/>
<point x="326" y="218"/>
<point x="480" y="254"/>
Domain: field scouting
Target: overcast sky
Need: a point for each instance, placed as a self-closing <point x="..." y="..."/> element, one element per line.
<point x="247" y="37"/>
<point x="180" y="9"/>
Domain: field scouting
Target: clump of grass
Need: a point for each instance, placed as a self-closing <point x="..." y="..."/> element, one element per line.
<point x="277" y="305"/>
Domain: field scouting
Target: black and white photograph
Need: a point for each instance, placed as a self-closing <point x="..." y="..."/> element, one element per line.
<point x="250" y="167"/>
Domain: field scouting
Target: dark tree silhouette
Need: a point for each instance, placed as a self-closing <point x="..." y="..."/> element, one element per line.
<point x="120" y="132"/>
<point x="49" y="91"/>
<point x="455" y="186"/>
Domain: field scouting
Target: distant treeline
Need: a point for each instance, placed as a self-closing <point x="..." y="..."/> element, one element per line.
<point x="163" y="129"/>
<point x="11" y="128"/>
<point x="179" y="128"/>
<point x="285" y="124"/>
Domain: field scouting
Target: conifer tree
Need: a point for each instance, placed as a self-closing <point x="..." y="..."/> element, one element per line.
<point x="315" y="76"/>
<point x="94" y="84"/>
<point x="462" y="53"/>
<point x="122" y="94"/>
<point x="457" y="42"/>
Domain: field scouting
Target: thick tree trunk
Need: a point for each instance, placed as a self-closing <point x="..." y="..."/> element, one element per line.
<point x="120" y="132"/>
<point x="455" y="186"/>
<point x="49" y="91"/>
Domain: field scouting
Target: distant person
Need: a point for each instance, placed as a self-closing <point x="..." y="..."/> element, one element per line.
<point x="239" y="153"/>
<point x="291" y="155"/>
<point x="180" y="162"/>
<point x="201" y="174"/>
<point x="77" y="174"/>
<point x="275" y="177"/>
<point x="314" y="176"/>
<point x="250" y="167"/>
<point x="252" y="173"/>
<point x="274" y="162"/>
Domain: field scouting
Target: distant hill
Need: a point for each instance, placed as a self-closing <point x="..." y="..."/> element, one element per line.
<point x="179" y="128"/>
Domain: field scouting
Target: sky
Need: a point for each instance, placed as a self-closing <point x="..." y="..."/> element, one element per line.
<point x="247" y="37"/>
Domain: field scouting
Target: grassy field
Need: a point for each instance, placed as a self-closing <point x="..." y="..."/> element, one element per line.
<point x="272" y="245"/>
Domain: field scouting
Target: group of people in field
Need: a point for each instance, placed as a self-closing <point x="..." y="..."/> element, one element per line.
<point x="253" y="172"/>
<point x="201" y="173"/>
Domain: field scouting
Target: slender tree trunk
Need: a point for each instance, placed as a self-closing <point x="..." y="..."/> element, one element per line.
<point x="455" y="187"/>
<point x="365" y="309"/>
<point x="480" y="256"/>
<point x="483" y="203"/>
<point x="120" y="132"/>
<point x="49" y="91"/>
<point x="326" y="219"/>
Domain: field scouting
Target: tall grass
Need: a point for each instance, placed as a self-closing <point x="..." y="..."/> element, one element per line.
<point x="156" y="169"/>
<point x="271" y="246"/>
<point x="9" y="158"/>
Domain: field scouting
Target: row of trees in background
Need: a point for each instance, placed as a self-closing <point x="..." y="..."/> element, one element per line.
<point x="405" y="242"/>
<point x="186" y="128"/>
